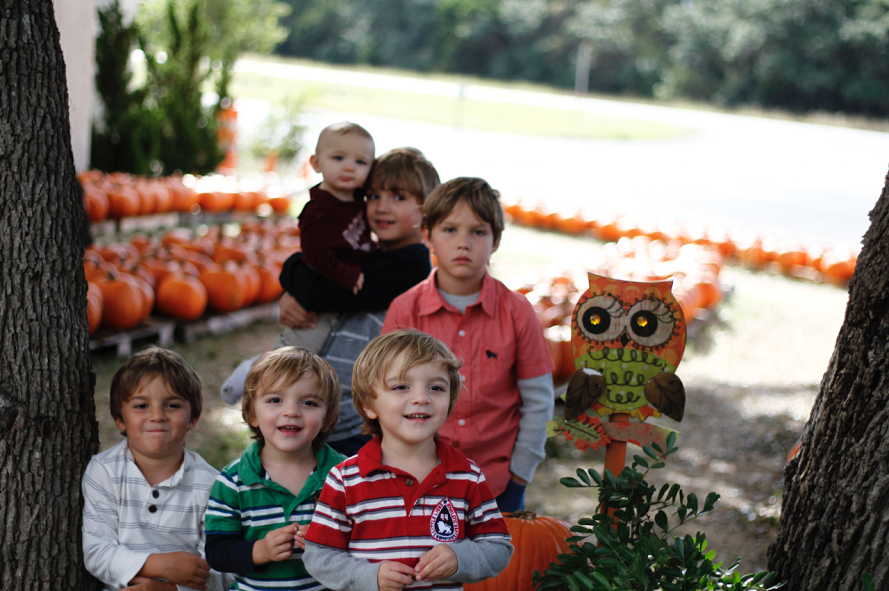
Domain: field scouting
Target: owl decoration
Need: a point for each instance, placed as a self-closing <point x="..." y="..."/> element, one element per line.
<point x="627" y="338"/>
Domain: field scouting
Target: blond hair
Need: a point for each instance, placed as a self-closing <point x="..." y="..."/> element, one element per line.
<point x="342" y="128"/>
<point x="414" y="348"/>
<point x="178" y="376"/>
<point x="289" y="364"/>
<point x="478" y="196"/>
<point x="403" y="169"/>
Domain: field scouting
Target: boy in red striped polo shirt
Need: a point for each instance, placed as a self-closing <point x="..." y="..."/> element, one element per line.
<point x="408" y="507"/>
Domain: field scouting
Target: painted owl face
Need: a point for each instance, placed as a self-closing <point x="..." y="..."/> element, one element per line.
<point x="630" y="332"/>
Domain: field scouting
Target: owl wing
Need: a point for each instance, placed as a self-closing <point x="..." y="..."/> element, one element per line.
<point x="583" y="391"/>
<point x="666" y="393"/>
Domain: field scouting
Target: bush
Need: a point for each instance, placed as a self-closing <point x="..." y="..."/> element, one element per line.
<point x="634" y="549"/>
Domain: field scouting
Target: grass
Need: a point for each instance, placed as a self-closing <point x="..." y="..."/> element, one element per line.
<point x="452" y="110"/>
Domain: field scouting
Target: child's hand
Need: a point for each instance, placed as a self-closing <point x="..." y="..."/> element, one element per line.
<point x="292" y="314"/>
<point x="358" y="284"/>
<point x="300" y="539"/>
<point x="438" y="563"/>
<point x="179" y="568"/>
<point x="394" y="576"/>
<point x="276" y="546"/>
<point x="149" y="584"/>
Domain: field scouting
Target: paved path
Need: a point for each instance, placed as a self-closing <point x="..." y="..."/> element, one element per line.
<point x="811" y="182"/>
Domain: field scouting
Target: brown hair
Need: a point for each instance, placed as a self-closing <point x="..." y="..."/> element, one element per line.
<point x="290" y="364"/>
<point x="403" y="169"/>
<point x="475" y="192"/>
<point x="342" y="128"/>
<point x="178" y="376"/>
<point x="377" y="358"/>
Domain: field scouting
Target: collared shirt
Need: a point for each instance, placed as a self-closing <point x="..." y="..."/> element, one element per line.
<point x="246" y="505"/>
<point x="377" y="512"/>
<point x="125" y="519"/>
<point x="500" y="341"/>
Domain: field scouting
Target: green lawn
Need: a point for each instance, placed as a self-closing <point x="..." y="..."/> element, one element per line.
<point x="451" y="110"/>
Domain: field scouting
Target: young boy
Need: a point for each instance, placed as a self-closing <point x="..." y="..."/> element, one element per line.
<point x="144" y="499"/>
<point x="291" y="403"/>
<point x="500" y="421"/>
<point x="408" y="507"/>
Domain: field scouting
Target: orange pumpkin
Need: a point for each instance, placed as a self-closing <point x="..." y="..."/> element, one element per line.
<point x="537" y="541"/>
<point x="182" y="296"/>
<point x="124" y="304"/>
<point x="124" y="202"/>
<point x="96" y="203"/>
<point x="226" y="287"/>
<point x="93" y="306"/>
<point x="280" y="204"/>
<point x="271" y="288"/>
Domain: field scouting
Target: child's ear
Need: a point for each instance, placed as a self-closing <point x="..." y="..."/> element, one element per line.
<point x="121" y="426"/>
<point x="426" y="239"/>
<point x="193" y="422"/>
<point x="313" y="160"/>
<point x="496" y="246"/>
<point x="371" y="414"/>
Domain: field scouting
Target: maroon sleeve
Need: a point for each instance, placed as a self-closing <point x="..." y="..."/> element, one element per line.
<point x="321" y="237"/>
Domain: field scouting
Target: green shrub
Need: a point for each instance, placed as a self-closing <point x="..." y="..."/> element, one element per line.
<point x="639" y="553"/>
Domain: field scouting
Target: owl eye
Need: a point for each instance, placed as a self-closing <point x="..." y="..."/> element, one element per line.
<point x="651" y="323"/>
<point x="599" y="318"/>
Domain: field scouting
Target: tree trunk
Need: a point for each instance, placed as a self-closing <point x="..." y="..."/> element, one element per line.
<point x="47" y="417"/>
<point x="835" y="515"/>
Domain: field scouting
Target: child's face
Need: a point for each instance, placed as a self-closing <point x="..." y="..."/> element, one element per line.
<point x="413" y="408"/>
<point x="156" y="420"/>
<point x="395" y="217"/>
<point x="290" y="415"/>
<point x="462" y="244"/>
<point x="344" y="161"/>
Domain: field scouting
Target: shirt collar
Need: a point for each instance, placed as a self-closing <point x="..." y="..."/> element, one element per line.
<point x="432" y="301"/>
<point x="370" y="458"/>
<point x="173" y="480"/>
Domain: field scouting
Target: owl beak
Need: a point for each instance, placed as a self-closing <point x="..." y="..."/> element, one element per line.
<point x="624" y="338"/>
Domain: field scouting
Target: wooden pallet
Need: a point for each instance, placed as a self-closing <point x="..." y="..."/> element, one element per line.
<point x="222" y="323"/>
<point x="151" y="327"/>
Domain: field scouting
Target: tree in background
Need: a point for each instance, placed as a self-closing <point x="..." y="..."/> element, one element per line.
<point x="48" y="429"/>
<point x="168" y="123"/>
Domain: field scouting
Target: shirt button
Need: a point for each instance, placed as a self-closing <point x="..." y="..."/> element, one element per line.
<point x="152" y="509"/>
<point x="409" y="481"/>
<point x="155" y="494"/>
<point x="462" y="333"/>
<point x="461" y="422"/>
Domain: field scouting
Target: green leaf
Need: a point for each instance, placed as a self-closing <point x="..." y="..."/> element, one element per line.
<point x="595" y="476"/>
<point x="584" y="582"/>
<point x="710" y="501"/>
<point x="671" y="439"/>
<point x="581" y="473"/>
<point x="639" y="460"/>
<point x="868" y="582"/>
<point x="649" y="452"/>
<point x="692" y="503"/>
<point x="663" y="491"/>
<point x="570" y="482"/>
<point x="601" y="580"/>
<point x="572" y="584"/>
<point x="661" y="520"/>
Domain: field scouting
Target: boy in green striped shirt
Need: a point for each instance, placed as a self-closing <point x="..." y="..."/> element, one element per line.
<point x="258" y="502"/>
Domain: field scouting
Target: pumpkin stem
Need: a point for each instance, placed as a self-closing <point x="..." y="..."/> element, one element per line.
<point x="523" y="515"/>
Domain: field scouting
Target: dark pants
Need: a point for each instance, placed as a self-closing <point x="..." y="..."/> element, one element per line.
<point x="513" y="498"/>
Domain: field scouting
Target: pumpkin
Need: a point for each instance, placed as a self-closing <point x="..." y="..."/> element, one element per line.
<point x="124" y="304"/>
<point x="93" y="306"/>
<point x="96" y="203"/>
<point x="537" y="541"/>
<point x="271" y="289"/>
<point x="280" y="204"/>
<point x="181" y="296"/>
<point x="254" y="283"/>
<point x="226" y="287"/>
<point x="123" y="201"/>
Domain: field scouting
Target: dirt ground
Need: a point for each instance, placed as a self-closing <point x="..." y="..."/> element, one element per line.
<point x="751" y="375"/>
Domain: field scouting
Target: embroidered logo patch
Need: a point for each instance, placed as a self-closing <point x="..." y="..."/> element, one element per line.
<point x="444" y="526"/>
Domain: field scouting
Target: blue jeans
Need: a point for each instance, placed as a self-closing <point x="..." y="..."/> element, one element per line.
<point x="513" y="498"/>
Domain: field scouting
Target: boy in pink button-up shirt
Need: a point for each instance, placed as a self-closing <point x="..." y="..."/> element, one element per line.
<point x="500" y="418"/>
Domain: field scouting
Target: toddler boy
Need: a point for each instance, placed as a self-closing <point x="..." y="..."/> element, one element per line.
<point x="144" y="499"/>
<point x="500" y="420"/>
<point x="291" y="403"/>
<point x="408" y="507"/>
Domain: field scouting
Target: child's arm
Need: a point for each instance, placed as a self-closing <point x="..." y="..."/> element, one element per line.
<point x="538" y="401"/>
<point x="337" y="569"/>
<point x="321" y="236"/>
<point x="227" y="550"/>
<point x="103" y="555"/>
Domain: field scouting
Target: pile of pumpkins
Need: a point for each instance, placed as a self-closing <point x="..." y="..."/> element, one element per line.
<point x="693" y="268"/>
<point x="181" y="274"/>
<point x="817" y="263"/>
<point x="120" y="195"/>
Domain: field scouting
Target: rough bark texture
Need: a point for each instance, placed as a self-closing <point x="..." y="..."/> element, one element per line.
<point x="47" y="419"/>
<point x="835" y="514"/>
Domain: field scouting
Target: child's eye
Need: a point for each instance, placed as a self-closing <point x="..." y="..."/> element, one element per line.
<point x="362" y="162"/>
<point x="481" y="232"/>
<point x="273" y="400"/>
<point x="400" y="387"/>
<point x="174" y="405"/>
<point x="400" y="197"/>
<point x="141" y="406"/>
<point x="437" y="388"/>
<point x="338" y="158"/>
<point x="372" y="196"/>
<point x="449" y="230"/>
<point x="310" y="402"/>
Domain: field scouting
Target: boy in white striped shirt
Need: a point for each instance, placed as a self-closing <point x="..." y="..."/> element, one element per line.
<point x="144" y="499"/>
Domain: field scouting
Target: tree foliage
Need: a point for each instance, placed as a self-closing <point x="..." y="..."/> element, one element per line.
<point x="801" y="56"/>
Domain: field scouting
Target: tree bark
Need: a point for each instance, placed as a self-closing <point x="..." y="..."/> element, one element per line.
<point x="48" y="429"/>
<point x="835" y="514"/>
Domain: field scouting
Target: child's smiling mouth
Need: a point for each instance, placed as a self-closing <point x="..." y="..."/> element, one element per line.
<point x="417" y="416"/>
<point x="290" y="429"/>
